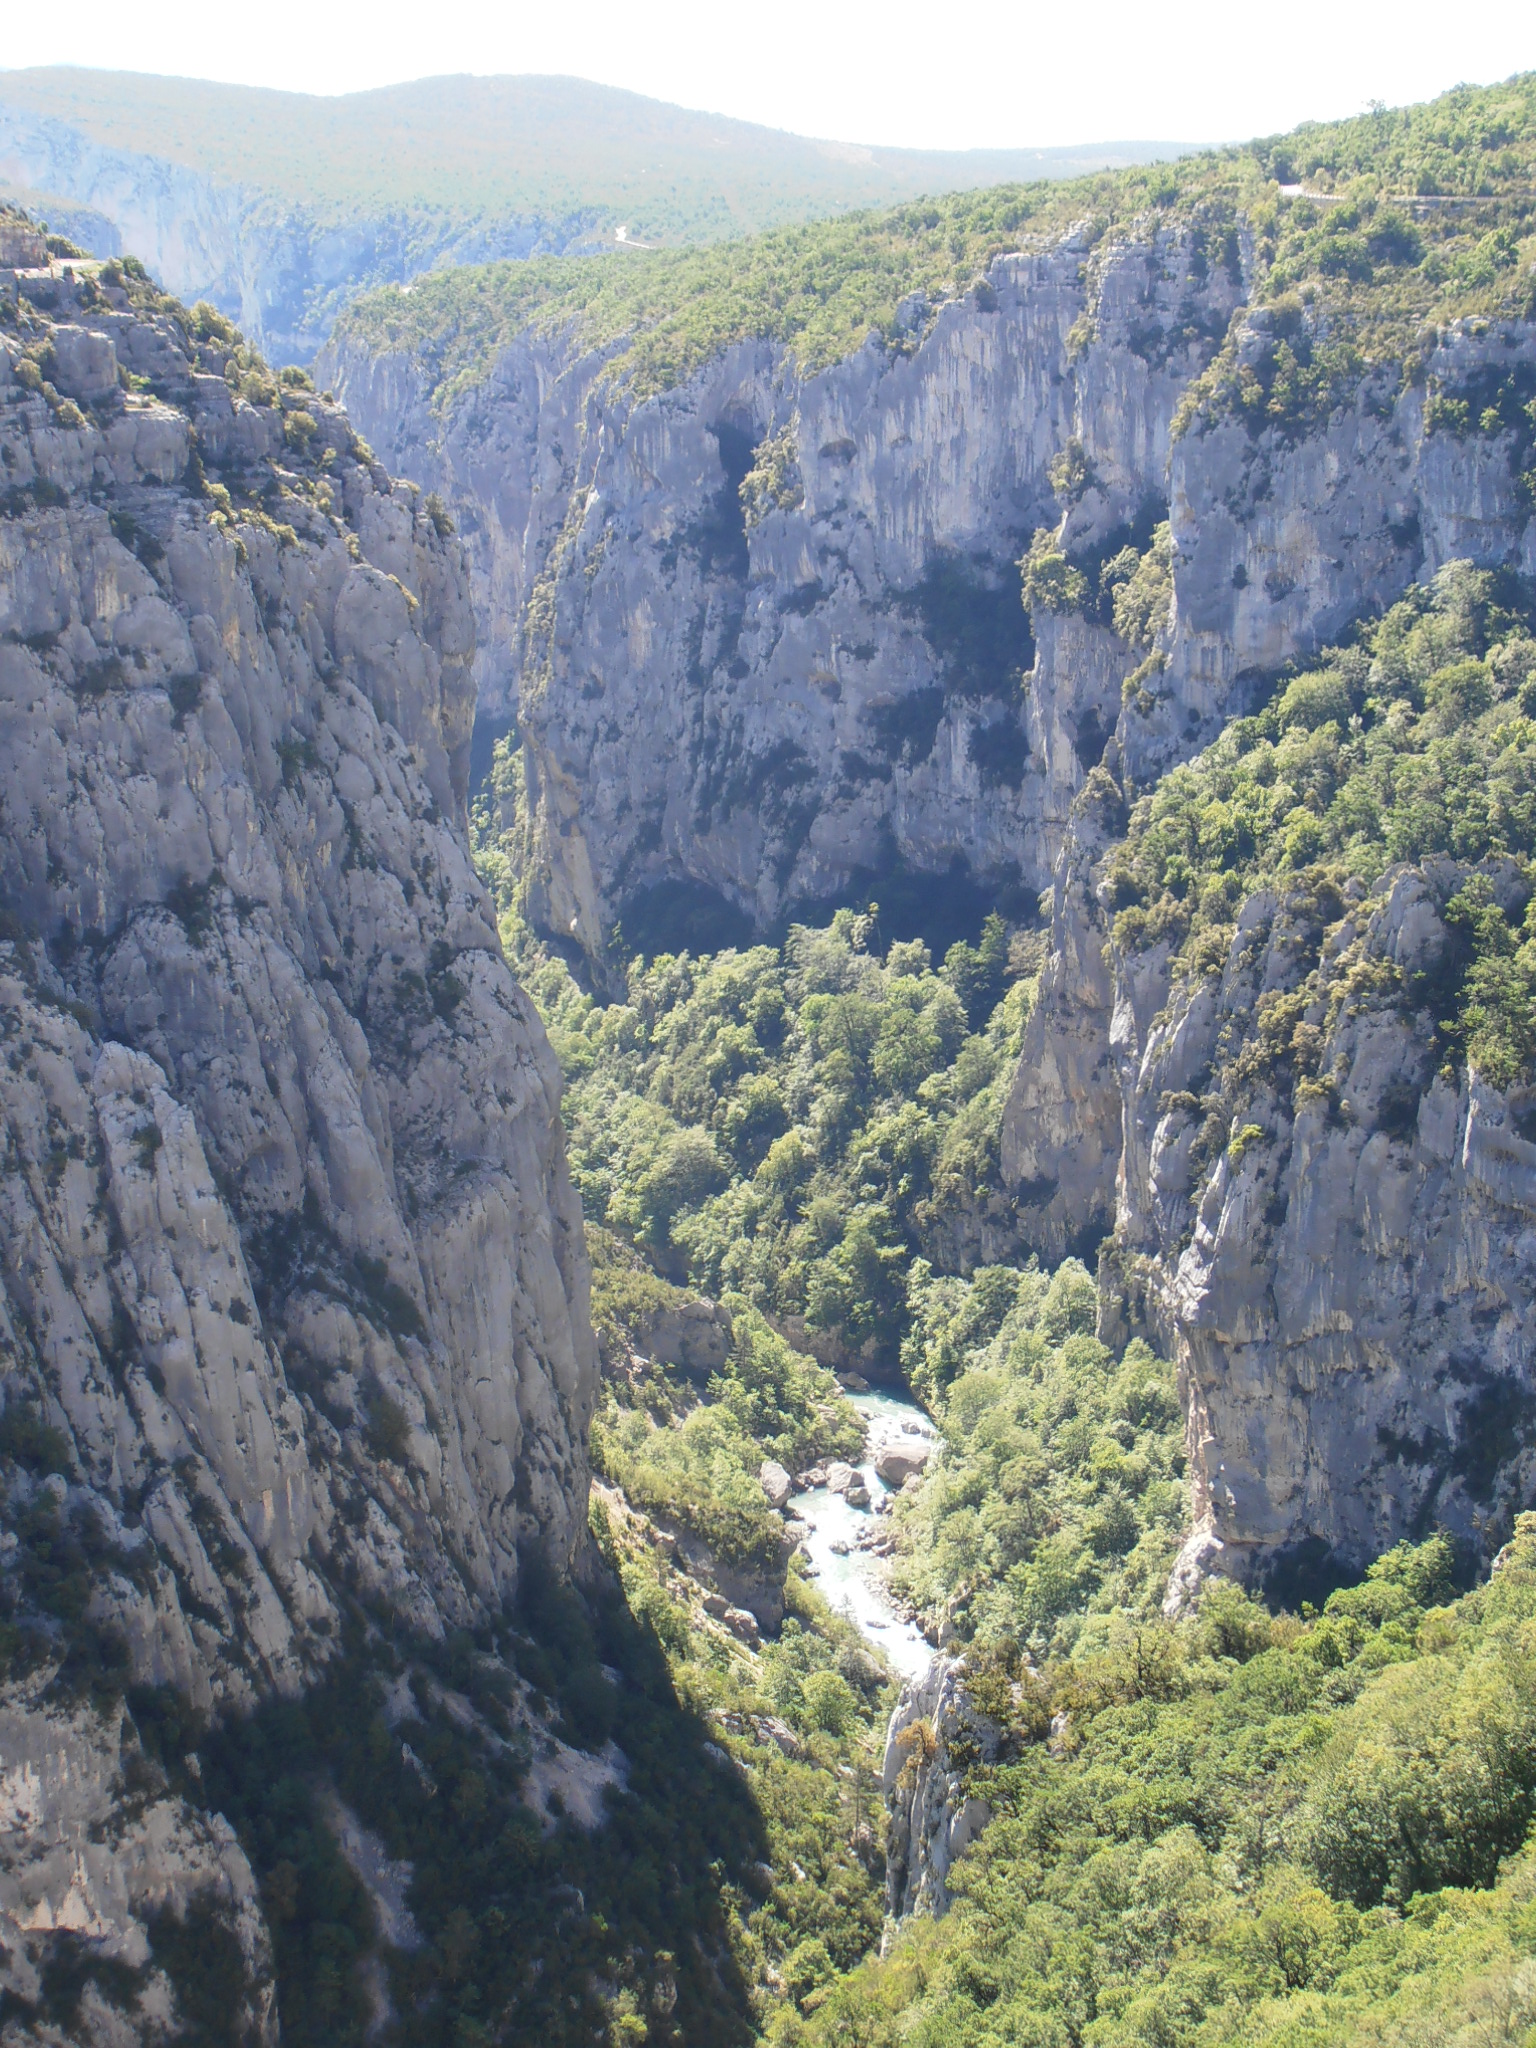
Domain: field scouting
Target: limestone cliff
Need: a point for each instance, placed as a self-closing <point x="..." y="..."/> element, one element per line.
<point x="763" y="638"/>
<point x="1347" y="1284"/>
<point x="936" y="1735"/>
<point x="293" y="1294"/>
<point x="763" y="633"/>
<point x="1345" y="1292"/>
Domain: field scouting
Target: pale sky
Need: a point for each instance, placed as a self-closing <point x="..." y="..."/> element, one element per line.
<point x="948" y="74"/>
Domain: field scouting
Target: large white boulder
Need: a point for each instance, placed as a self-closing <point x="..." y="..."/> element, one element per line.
<point x="897" y="1461"/>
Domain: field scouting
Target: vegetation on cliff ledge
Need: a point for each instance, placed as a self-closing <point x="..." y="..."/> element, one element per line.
<point x="1415" y="739"/>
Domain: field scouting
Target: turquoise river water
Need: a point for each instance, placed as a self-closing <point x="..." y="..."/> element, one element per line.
<point x="854" y="1584"/>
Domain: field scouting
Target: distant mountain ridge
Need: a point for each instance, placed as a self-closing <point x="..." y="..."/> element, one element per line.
<point x="278" y="207"/>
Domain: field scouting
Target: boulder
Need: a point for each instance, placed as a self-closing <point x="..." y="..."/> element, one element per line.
<point x="898" y="1461"/>
<point x="839" y="1476"/>
<point x="769" y="1728"/>
<point x="776" y="1482"/>
<point x="741" y="1621"/>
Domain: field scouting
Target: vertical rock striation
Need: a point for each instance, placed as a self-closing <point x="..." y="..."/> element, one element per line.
<point x="936" y="1734"/>
<point x="763" y="633"/>
<point x="1347" y="1297"/>
<point x="293" y="1292"/>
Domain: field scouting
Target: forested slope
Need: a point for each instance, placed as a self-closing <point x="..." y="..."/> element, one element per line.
<point x="1395" y="218"/>
<point x="280" y="207"/>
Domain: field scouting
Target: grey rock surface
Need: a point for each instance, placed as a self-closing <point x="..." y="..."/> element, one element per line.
<point x="1349" y="1295"/>
<point x="776" y="1483"/>
<point x="899" y="1457"/>
<point x="1349" y="1306"/>
<point x="292" y="1278"/>
<point x="690" y="1332"/>
<point x="763" y="705"/>
<point x="931" y="1817"/>
<point x="79" y="1857"/>
<point x="768" y="704"/>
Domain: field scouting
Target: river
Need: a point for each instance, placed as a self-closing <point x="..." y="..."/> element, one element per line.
<point x="855" y="1584"/>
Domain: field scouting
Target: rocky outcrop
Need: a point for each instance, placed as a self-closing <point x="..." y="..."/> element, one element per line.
<point x="763" y="633"/>
<point x="1060" y="1144"/>
<point x="293" y="1293"/>
<point x="1345" y="1293"/>
<point x="1284" y="538"/>
<point x="687" y="1331"/>
<point x="80" y="1857"/>
<point x="1280" y="540"/>
<point x="1347" y="1283"/>
<point x="936" y="1736"/>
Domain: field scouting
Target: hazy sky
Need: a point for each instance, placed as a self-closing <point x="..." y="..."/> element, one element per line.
<point x="950" y="74"/>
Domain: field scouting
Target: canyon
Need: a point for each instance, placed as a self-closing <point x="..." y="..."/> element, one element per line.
<point x="763" y="640"/>
<point x="492" y="833"/>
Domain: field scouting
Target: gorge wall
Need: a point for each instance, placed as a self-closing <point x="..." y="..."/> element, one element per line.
<point x="763" y="637"/>
<point x="1347" y="1295"/>
<point x="293" y="1291"/>
<point x="763" y="633"/>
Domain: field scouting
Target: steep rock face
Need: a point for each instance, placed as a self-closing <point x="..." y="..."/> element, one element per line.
<point x="281" y="272"/>
<point x="935" y="1735"/>
<point x="1061" y="1138"/>
<point x="1346" y="1302"/>
<point x="768" y="693"/>
<point x="293" y="1292"/>
<point x="1284" y="538"/>
<point x="1348" y="1290"/>
<point x="1279" y="542"/>
<point x="74" y="1862"/>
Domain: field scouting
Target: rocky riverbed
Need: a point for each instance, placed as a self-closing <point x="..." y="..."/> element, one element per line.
<point x="844" y="1518"/>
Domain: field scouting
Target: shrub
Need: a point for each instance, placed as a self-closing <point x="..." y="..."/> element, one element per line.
<point x="1051" y="584"/>
<point x="33" y="1443"/>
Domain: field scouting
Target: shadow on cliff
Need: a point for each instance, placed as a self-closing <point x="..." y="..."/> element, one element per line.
<point x="681" y="915"/>
<point x="518" y="1925"/>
